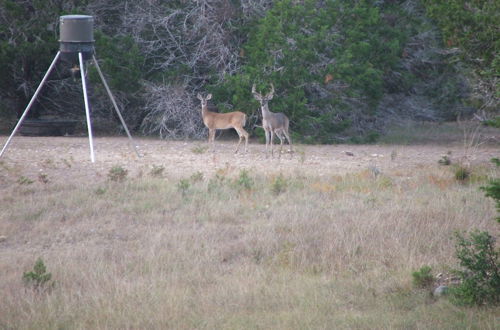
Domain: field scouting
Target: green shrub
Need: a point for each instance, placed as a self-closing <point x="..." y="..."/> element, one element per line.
<point x="423" y="277"/>
<point x="306" y="49"/>
<point x="199" y="149"/>
<point x="24" y="180"/>
<point x="462" y="173"/>
<point x="493" y="189"/>
<point x="183" y="186"/>
<point x="445" y="160"/>
<point x="244" y="181"/>
<point x="279" y="184"/>
<point x="157" y="171"/>
<point x="117" y="173"/>
<point x="197" y="177"/>
<point x="38" y="279"/>
<point x="480" y="274"/>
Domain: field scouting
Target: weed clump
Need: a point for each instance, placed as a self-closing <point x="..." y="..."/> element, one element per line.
<point x="117" y="174"/>
<point x="244" y="181"/>
<point x="157" y="171"/>
<point x="423" y="277"/>
<point x="200" y="149"/>
<point x="279" y="184"/>
<point x="445" y="160"/>
<point x="24" y="180"/>
<point x="197" y="177"/>
<point x="462" y="174"/>
<point x="183" y="186"/>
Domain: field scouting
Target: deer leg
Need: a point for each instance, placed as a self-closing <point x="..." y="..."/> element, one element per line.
<point x="266" y="132"/>
<point x="246" y="142"/>
<point x="211" y="138"/>
<point x="281" y="137"/>
<point x="239" y="141"/>
<point x="289" y="141"/>
<point x="245" y="135"/>
<point x="272" y="138"/>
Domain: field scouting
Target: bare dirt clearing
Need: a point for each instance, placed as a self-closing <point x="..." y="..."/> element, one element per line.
<point x="67" y="159"/>
<point x="326" y="245"/>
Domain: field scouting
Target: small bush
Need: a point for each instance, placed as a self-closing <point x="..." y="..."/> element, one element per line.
<point x="43" y="178"/>
<point x="493" y="189"/>
<point x="423" y="277"/>
<point x="117" y="173"/>
<point x="157" y="171"/>
<point x="197" y="177"/>
<point x="445" y="161"/>
<point x="200" y="149"/>
<point x="279" y="184"/>
<point x="462" y="173"/>
<point x="244" y="181"/>
<point x="38" y="279"/>
<point x="183" y="186"/>
<point x="24" y="180"/>
<point x="480" y="274"/>
<point x="216" y="182"/>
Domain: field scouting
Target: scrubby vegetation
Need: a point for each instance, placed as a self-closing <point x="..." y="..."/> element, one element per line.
<point x="343" y="70"/>
<point x="239" y="249"/>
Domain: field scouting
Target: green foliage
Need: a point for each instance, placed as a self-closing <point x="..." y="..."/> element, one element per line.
<point x="495" y="122"/>
<point x="197" y="176"/>
<point x="124" y="74"/>
<point x="472" y="26"/>
<point x="462" y="173"/>
<point x="216" y="182"/>
<point x="244" y="181"/>
<point x="279" y="184"/>
<point x="24" y="180"/>
<point x="38" y="279"/>
<point x="423" y="277"/>
<point x="480" y="274"/>
<point x="28" y="44"/>
<point x="157" y="171"/>
<point x="493" y="189"/>
<point x="289" y="48"/>
<point x="445" y="160"/>
<point x="117" y="173"/>
<point x="183" y="186"/>
<point x="199" y="149"/>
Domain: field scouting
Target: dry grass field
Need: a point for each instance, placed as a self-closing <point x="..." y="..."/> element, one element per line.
<point x="186" y="239"/>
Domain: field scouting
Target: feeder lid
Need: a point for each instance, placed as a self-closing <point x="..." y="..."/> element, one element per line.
<point x="76" y="28"/>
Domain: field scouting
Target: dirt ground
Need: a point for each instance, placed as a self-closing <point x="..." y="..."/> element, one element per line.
<point x="67" y="159"/>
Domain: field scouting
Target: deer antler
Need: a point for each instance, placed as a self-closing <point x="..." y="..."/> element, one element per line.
<point x="271" y="93"/>
<point x="256" y="95"/>
<point x="253" y="89"/>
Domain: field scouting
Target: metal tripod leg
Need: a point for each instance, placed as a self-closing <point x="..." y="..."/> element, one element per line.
<point x="33" y="98"/>
<point x="132" y="144"/>
<point x="87" y="111"/>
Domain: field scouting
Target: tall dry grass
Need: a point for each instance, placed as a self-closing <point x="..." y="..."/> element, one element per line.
<point x="320" y="252"/>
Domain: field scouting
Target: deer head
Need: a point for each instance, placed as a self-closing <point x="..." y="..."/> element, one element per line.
<point x="204" y="100"/>
<point x="260" y="98"/>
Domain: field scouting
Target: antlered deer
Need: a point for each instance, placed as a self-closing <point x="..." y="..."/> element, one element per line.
<point x="214" y="121"/>
<point x="272" y="123"/>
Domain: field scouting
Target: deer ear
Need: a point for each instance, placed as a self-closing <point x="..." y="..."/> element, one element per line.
<point x="209" y="96"/>
<point x="199" y="97"/>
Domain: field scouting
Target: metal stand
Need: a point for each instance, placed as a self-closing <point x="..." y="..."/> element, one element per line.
<point x="85" y="98"/>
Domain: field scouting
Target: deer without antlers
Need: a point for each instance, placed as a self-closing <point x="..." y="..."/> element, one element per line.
<point x="214" y="121"/>
<point x="272" y="122"/>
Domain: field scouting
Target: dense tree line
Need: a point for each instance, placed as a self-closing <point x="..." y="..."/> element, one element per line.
<point x="342" y="69"/>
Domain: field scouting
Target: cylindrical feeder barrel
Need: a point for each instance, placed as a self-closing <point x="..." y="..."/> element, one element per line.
<point x="76" y="36"/>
